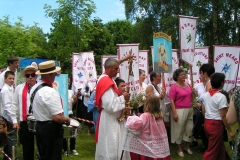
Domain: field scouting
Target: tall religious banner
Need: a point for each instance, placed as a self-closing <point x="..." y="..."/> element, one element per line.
<point x="60" y="84"/>
<point x="143" y="62"/>
<point x="201" y="56"/>
<point x="78" y="71"/>
<point x="90" y="69"/>
<point x="226" y="61"/>
<point x="131" y="80"/>
<point x="104" y="58"/>
<point x="187" y="30"/>
<point x="169" y="76"/>
<point x="162" y="58"/>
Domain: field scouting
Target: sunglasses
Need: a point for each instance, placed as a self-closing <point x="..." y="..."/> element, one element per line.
<point x="28" y="75"/>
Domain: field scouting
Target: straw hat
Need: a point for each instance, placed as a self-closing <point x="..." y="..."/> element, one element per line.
<point x="47" y="67"/>
<point x="28" y="68"/>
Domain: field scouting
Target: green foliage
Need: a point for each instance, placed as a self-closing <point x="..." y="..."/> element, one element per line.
<point x="20" y="40"/>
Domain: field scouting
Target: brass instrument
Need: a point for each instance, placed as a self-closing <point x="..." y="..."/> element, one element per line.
<point x="127" y="109"/>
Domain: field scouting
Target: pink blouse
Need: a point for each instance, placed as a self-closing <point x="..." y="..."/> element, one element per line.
<point x="182" y="97"/>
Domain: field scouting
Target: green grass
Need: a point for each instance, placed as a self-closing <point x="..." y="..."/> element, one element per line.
<point x="85" y="145"/>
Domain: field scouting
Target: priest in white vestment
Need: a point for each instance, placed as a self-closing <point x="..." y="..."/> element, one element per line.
<point x="110" y="132"/>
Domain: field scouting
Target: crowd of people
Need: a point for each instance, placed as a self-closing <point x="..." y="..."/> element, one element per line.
<point x="140" y="136"/>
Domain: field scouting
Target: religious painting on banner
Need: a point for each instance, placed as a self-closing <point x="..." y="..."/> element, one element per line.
<point x="226" y="61"/>
<point x="187" y="30"/>
<point x="104" y="58"/>
<point x="131" y="80"/>
<point x="143" y="63"/>
<point x="90" y="69"/>
<point x="78" y="71"/>
<point x="201" y="56"/>
<point x="162" y="58"/>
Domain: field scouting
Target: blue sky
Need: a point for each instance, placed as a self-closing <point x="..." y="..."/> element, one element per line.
<point x="32" y="11"/>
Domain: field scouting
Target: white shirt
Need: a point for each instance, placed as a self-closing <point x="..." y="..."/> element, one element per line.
<point x="213" y="104"/>
<point x="46" y="103"/>
<point x="2" y="82"/>
<point x="70" y="101"/>
<point x="84" y="93"/>
<point x="16" y="108"/>
<point x="7" y="94"/>
<point x="201" y="90"/>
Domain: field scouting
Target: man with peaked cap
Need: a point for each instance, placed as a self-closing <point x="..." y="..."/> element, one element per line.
<point x="47" y="109"/>
<point x="20" y="106"/>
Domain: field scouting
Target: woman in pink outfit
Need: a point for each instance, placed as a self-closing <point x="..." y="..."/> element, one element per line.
<point x="147" y="137"/>
<point x="180" y="95"/>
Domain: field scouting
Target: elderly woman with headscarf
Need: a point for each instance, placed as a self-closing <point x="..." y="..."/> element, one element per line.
<point x="180" y="95"/>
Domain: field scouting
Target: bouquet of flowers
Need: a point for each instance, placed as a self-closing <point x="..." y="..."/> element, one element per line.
<point x="136" y="100"/>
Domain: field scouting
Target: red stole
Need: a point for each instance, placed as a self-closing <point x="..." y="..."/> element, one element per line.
<point x="24" y="102"/>
<point x="103" y="85"/>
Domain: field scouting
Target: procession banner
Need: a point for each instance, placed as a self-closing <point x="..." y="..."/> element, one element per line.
<point x="78" y="71"/>
<point x="104" y="58"/>
<point x="162" y="58"/>
<point x="169" y="76"/>
<point x="187" y="30"/>
<point x="131" y="80"/>
<point x="201" y="56"/>
<point x="226" y="61"/>
<point x="60" y="84"/>
<point x="143" y="63"/>
<point x="90" y="69"/>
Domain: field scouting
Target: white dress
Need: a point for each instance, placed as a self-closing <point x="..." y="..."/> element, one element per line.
<point x="111" y="131"/>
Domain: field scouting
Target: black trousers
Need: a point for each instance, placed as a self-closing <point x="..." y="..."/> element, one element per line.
<point x="27" y="140"/>
<point x="49" y="136"/>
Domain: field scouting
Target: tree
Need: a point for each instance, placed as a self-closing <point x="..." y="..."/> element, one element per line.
<point x="20" y="41"/>
<point x="65" y="37"/>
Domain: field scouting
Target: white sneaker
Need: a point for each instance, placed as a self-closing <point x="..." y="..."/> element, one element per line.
<point x="65" y="153"/>
<point x="74" y="152"/>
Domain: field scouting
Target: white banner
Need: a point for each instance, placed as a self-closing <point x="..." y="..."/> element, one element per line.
<point x="132" y="81"/>
<point x="169" y="76"/>
<point x="78" y="71"/>
<point x="143" y="63"/>
<point x="238" y="76"/>
<point x="104" y="58"/>
<point x="187" y="27"/>
<point x="226" y="60"/>
<point x="201" y="56"/>
<point x="90" y="69"/>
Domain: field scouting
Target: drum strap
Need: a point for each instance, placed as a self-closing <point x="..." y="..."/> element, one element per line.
<point x="33" y="95"/>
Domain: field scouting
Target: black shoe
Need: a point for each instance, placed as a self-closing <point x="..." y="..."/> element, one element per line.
<point x="201" y="150"/>
<point x="193" y="144"/>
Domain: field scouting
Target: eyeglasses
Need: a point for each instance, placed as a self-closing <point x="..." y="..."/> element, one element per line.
<point x="32" y="75"/>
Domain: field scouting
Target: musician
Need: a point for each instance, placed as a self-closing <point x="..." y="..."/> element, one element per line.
<point x="47" y="109"/>
<point x="110" y="131"/>
<point x="20" y="106"/>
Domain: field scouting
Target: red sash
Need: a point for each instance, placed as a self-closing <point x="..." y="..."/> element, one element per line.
<point x="103" y="85"/>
